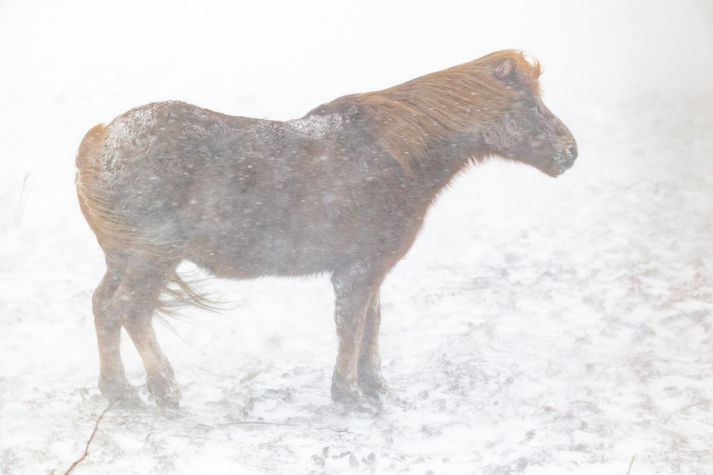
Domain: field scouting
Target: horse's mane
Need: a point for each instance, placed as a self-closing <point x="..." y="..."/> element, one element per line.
<point x="411" y="115"/>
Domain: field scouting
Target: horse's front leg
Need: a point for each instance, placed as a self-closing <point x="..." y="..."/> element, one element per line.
<point x="371" y="381"/>
<point x="354" y="288"/>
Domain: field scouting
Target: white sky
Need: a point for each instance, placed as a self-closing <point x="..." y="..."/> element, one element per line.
<point x="280" y="59"/>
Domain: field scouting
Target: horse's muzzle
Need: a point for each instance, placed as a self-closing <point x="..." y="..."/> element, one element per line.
<point x="564" y="160"/>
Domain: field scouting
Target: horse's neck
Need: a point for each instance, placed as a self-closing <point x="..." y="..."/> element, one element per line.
<point x="432" y="172"/>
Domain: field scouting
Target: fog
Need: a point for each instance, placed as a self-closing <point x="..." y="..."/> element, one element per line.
<point x="537" y="326"/>
<point x="279" y="59"/>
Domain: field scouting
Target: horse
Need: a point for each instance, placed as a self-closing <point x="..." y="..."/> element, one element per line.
<point x="341" y="191"/>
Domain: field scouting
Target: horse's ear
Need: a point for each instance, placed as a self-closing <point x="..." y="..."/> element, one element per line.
<point x="505" y="70"/>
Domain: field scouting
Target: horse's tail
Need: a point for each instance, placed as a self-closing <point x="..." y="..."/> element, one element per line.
<point x="182" y="293"/>
<point x="114" y="232"/>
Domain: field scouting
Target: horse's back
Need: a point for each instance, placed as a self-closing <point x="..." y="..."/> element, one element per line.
<point x="246" y="197"/>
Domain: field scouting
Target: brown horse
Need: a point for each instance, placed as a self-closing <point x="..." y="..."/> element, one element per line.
<point x="343" y="190"/>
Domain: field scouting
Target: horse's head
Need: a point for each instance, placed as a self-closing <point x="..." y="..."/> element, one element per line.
<point x="527" y="131"/>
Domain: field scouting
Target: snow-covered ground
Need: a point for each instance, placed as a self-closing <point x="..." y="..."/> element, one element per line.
<point x="538" y="325"/>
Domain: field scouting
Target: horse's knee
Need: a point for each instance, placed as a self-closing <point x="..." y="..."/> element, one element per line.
<point x="102" y="298"/>
<point x="132" y="306"/>
<point x="100" y="302"/>
<point x="103" y="309"/>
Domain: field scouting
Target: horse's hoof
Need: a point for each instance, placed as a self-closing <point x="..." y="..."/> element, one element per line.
<point x="164" y="390"/>
<point x="118" y="391"/>
<point x="374" y="404"/>
<point x="373" y="385"/>
<point x="354" y="400"/>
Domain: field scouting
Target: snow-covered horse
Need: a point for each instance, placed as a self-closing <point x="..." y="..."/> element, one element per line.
<point x="343" y="191"/>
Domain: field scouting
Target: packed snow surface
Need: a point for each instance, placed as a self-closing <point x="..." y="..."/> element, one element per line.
<point x="538" y="326"/>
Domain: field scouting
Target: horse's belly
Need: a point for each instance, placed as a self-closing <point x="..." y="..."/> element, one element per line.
<point x="250" y="256"/>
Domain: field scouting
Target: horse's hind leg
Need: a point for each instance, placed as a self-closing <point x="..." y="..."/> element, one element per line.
<point x="371" y="381"/>
<point x="135" y="300"/>
<point x="112" y="379"/>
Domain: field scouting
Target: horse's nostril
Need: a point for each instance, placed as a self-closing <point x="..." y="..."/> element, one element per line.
<point x="571" y="151"/>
